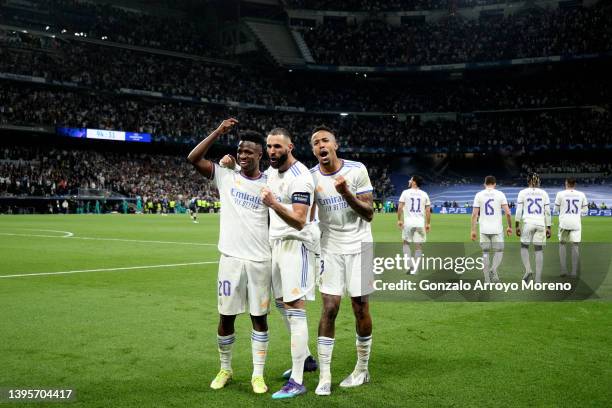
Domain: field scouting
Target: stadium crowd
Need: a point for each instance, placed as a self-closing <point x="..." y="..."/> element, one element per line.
<point x="534" y="33"/>
<point x="38" y="172"/>
<point x="97" y="20"/>
<point x="587" y="172"/>
<point x="390" y="5"/>
<point x="110" y="69"/>
<point x="186" y="123"/>
<point x="61" y="172"/>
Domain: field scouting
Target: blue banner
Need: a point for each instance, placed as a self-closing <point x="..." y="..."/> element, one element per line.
<point x="103" y="134"/>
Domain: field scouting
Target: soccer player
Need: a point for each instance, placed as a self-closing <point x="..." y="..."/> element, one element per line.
<point x="533" y="210"/>
<point x="571" y="205"/>
<point x="245" y="276"/>
<point x="193" y="209"/>
<point x="413" y="218"/>
<point x="488" y="206"/>
<point x="343" y="195"/>
<point x="289" y="197"/>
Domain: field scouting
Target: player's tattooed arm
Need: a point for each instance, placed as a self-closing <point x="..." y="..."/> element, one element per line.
<point x="475" y="214"/>
<point x="362" y="204"/>
<point x="296" y="217"/>
<point x="427" y="218"/>
<point x="400" y="215"/>
<point x="196" y="157"/>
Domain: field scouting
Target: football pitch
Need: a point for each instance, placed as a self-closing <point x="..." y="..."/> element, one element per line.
<point x="131" y="322"/>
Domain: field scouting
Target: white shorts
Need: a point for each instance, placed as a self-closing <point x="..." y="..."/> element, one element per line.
<point x="533" y="233"/>
<point x="242" y="282"/>
<point x="293" y="269"/>
<point x="414" y="234"/>
<point x="493" y="242"/>
<point x="342" y="273"/>
<point x="573" y="236"/>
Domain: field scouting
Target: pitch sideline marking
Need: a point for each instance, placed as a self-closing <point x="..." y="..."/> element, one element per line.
<point x="107" y="269"/>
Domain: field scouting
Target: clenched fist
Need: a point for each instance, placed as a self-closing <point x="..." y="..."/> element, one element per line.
<point x="267" y="197"/>
<point x="227" y="125"/>
<point x="341" y="186"/>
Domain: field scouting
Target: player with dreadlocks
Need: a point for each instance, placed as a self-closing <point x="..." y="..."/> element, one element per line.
<point x="533" y="210"/>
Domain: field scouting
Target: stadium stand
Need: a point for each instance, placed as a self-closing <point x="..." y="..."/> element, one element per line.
<point x="49" y="80"/>
<point x="533" y="33"/>
<point x="393" y="5"/>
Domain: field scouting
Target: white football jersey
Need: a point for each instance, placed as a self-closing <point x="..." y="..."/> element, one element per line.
<point x="533" y="207"/>
<point x="571" y="204"/>
<point x="490" y="202"/>
<point x="415" y="200"/>
<point x="244" y="218"/>
<point x="342" y="230"/>
<point x="295" y="185"/>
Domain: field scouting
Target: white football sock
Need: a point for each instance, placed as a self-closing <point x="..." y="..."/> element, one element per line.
<point x="485" y="266"/>
<point x="563" y="258"/>
<point x="525" y="258"/>
<point x="325" y="348"/>
<point x="416" y="261"/>
<point x="364" y="345"/>
<point x="299" y="342"/>
<point x="225" y="344"/>
<point x="259" y="348"/>
<point x="539" y="264"/>
<point x="280" y="306"/>
<point x="497" y="259"/>
<point x="575" y="259"/>
<point x="407" y="253"/>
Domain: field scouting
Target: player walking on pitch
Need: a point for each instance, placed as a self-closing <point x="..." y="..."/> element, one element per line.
<point x="289" y="197"/>
<point x="343" y="194"/>
<point x="533" y="209"/>
<point x="571" y="205"/>
<point x="488" y="206"/>
<point x="244" y="268"/>
<point x="414" y="218"/>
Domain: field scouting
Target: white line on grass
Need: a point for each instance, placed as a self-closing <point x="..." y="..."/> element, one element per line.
<point x="127" y="268"/>
<point x="145" y="241"/>
<point x="66" y="233"/>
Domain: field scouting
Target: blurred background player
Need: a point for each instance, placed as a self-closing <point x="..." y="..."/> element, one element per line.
<point x="488" y="206"/>
<point x="571" y="205"/>
<point x="245" y="276"/>
<point x="343" y="194"/>
<point x="193" y="209"/>
<point x="413" y="219"/>
<point x="533" y="210"/>
<point x="289" y="196"/>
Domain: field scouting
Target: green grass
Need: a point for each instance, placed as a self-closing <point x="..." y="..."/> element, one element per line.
<point x="146" y="337"/>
